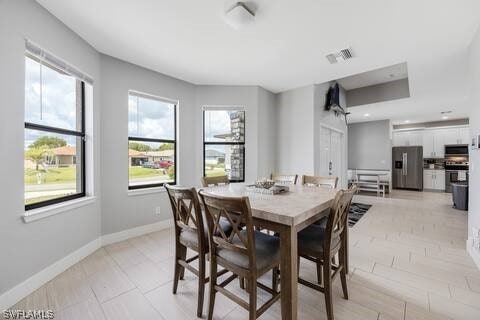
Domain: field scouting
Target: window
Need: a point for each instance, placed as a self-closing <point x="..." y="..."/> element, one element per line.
<point x="224" y="143"/>
<point x="54" y="161"/>
<point x="151" y="141"/>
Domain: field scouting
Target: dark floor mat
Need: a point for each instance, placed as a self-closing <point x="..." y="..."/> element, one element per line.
<point x="357" y="210"/>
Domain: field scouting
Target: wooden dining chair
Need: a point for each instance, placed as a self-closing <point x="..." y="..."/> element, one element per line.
<point x="247" y="253"/>
<point x="320" y="245"/>
<point x="284" y="179"/>
<point x="318" y="181"/>
<point x="190" y="232"/>
<point x="215" y="181"/>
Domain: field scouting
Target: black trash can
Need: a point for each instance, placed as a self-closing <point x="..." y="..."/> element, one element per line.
<point x="460" y="195"/>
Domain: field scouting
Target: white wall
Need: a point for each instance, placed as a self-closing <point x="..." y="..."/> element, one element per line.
<point x="28" y="248"/>
<point x="119" y="210"/>
<point x="300" y="115"/>
<point x="369" y="145"/>
<point x="296" y="131"/>
<point x="474" y="101"/>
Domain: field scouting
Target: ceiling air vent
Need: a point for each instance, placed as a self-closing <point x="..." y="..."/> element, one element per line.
<point x="342" y="55"/>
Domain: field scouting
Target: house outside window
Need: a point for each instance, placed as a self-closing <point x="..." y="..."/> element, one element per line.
<point x="54" y="145"/>
<point x="224" y="143"/>
<point x="151" y="141"/>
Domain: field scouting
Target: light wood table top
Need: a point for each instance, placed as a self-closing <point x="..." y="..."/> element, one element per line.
<point x="290" y="208"/>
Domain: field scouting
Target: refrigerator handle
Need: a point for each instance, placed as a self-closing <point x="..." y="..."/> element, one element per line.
<point x="405" y="163"/>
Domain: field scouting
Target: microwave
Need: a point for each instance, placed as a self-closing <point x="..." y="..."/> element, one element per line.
<point x="456" y="150"/>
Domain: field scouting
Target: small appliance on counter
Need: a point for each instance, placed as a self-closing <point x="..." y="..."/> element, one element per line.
<point x="456" y="165"/>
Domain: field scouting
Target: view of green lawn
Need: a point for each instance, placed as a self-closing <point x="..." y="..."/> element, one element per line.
<point x="53" y="175"/>
<point x="215" y="170"/>
<point x="140" y="172"/>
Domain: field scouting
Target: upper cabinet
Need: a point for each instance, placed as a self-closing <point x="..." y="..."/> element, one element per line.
<point x="433" y="143"/>
<point x="432" y="140"/>
<point x="407" y="138"/>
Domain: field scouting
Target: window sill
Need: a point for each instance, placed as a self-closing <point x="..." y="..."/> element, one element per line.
<point x="141" y="192"/>
<point x="40" y="213"/>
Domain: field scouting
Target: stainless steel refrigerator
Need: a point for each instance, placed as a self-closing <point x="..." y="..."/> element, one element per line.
<point x="407" y="166"/>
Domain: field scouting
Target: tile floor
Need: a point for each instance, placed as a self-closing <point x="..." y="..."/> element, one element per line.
<point x="408" y="262"/>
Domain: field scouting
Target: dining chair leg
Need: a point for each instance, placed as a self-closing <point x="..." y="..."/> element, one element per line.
<point x="343" y="273"/>
<point x="177" y="267"/>
<point x="298" y="266"/>
<point x="183" y="256"/>
<point x="253" y="299"/>
<point x="327" y="285"/>
<point x="241" y="281"/>
<point x="275" y="275"/>
<point x="212" y="291"/>
<point x="201" y="284"/>
<point x="319" y="272"/>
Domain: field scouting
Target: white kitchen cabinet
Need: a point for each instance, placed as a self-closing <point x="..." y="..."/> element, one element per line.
<point x="434" y="143"/>
<point x="451" y="136"/>
<point x="434" y="179"/>
<point x="407" y="138"/>
<point x="464" y="135"/>
<point x="428" y="179"/>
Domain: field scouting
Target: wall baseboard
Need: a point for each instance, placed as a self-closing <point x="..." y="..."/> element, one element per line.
<point x="135" y="232"/>
<point x="475" y="254"/>
<point x="20" y="291"/>
<point x="31" y="284"/>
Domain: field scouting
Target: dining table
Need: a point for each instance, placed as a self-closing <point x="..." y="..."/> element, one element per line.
<point x="285" y="214"/>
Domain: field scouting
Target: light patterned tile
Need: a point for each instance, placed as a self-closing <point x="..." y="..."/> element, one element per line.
<point x="109" y="283"/>
<point x="147" y="276"/>
<point x="86" y="310"/>
<point x="130" y="306"/>
<point x="452" y="308"/>
<point x="412" y="280"/>
<point x="125" y="254"/>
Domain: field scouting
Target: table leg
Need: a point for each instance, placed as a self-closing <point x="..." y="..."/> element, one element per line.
<point x="289" y="273"/>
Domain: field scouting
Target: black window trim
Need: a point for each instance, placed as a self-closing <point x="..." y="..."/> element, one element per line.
<point x="174" y="142"/>
<point x="81" y="134"/>
<point x="206" y="143"/>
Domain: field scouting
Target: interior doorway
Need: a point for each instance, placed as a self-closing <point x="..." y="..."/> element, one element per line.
<point x="332" y="160"/>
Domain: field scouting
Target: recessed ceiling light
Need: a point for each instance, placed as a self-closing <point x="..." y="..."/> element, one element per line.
<point x="366" y="115"/>
<point x="445" y="117"/>
<point x="407" y="121"/>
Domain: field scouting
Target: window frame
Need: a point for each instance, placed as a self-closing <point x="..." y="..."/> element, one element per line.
<point x="79" y="134"/>
<point x="174" y="141"/>
<point x="206" y="143"/>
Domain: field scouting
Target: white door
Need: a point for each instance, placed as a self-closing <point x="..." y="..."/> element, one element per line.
<point x="336" y="154"/>
<point x="428" y="179"/>
<point x="440" y="180"/>
<point x="324" y="151"/>
<point x="331" y="154"/>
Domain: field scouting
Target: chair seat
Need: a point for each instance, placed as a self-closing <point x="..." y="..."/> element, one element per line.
<point x="267" y="250"/>
<point x="190" y="238"/>
<point x="311" y="239"/>
<point x="321" y="223"/>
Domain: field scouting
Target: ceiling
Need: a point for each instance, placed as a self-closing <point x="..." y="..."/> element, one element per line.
<point x="286" y="46"/>
<point x="382" y="75"/>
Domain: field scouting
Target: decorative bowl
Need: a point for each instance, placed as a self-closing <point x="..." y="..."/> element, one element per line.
<point x="265" y="184"/>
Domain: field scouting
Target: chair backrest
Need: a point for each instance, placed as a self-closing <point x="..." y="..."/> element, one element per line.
<point x="238" y="213"/>
<point x="285" y="179"/>
<point x="338" y="218"/>
<point x="187" y="214"/>
<point x="317" y="181"/>
<point x="215" y="181"/>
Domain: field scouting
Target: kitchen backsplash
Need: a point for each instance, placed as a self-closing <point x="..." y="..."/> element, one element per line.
<point x="433" y="163"/>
